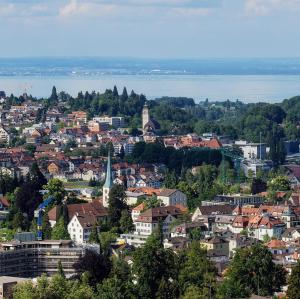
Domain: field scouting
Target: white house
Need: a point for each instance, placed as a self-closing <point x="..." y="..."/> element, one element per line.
<point x="4" y="135"/>
<point x="149" y="221"/>
<point x="172" y="197"/>
<point x="80" y="227"/>
<point x="262" y="226"/>
<point x="252" y="150"/>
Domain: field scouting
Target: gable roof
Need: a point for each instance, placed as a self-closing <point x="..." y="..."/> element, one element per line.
<point x="155" y="214"/>
<point x="167" y="192"/>
<point x="216" y="209"/>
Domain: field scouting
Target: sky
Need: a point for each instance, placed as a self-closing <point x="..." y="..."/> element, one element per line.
<point x="150" y="28"/>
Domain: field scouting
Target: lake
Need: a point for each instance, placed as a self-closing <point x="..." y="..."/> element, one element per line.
<point x="246" y="80"/>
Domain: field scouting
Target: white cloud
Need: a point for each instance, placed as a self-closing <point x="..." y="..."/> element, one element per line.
<point x="267" y="7"/>
<point x="74" y="8"/>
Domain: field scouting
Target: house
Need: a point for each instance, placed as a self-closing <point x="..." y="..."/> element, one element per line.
<point x="237" y="241"/>
<point x="176" y="243"/>
<point x="80" y="227"/>
<point x="224" y="222"/>
<point x="185" y="229"/>
<point x="216" y="246"/>
<point x="262" y="226"/>
<point x="252" y="150"/>
<point x="172" y="197"/>
<point x="133" y="197"/>
<point x="5" y="136"/>
<point x="135" y="212"/>
<point x="212" y="210"/>
<point x="291" y="234"/>
<point x="94" y="208"/>
<point x="279" y="247"/>
<point x="149" y="221"/>
<point x="240" y="223"/>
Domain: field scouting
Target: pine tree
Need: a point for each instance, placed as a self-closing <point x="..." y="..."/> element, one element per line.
<point x="60" y="270"/>
<point x="294" y="283"/>
<point x="115" y="91"/>
<point x="94" y="237"/>
<point x="46" y="227"/>
<point x="124" y="96"/>
<point x="54" y="96"/>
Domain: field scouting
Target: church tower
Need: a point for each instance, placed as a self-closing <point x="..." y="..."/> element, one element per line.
<point x="145" y="115"/>
<point x="108" y="183"/>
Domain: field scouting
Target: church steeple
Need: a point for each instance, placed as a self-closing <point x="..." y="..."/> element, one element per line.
<point x="108" y="182"/>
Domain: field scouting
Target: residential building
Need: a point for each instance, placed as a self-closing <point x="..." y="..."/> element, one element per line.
<point x="265" y="226"/>
<point x="5" y="136"/>
<point x="33" y="258"/>
<point x="114" y="121"/>
<point x="172" y="197"/>
<point x="81" y="226"/>
<point x="252" y="150"/>
<point x="216" y="246"/>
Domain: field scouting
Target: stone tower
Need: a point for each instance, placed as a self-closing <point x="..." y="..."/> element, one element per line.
<point x="145" y="115"/>
<point x="108" y="183"/>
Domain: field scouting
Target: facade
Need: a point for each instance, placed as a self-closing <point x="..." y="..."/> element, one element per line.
<point x="114" y="121"/>
<point x="240" y="199"/>
<point x="253" y="150"/>
<point x="216" y="246"/>
<point x="33" y="258"/>
<point x="4" y="135"/>
<point x="80" y="227"/>
<point x="172" y="197"/>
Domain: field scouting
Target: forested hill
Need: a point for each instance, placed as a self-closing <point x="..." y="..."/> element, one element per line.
<point x="182" y="115"/>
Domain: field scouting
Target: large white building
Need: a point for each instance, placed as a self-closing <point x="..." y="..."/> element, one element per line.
<point x="114" y="121"/>
<point x="252" y="150"/>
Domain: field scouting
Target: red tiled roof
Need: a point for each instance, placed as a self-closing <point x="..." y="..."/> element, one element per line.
<point x="276" y="244"/>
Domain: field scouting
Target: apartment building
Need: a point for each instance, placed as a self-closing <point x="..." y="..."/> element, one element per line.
<point x="33" y="258"/>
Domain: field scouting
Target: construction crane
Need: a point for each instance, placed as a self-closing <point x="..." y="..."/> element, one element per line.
<point x="39" y="215"/>
<point x="235" y="158"/>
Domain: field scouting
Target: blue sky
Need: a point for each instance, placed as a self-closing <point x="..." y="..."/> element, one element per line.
<point x="150" y="28"/>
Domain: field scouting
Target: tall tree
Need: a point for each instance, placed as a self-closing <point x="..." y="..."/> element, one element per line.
<point x="59" y="231"/>
<point x="116" y="205"/>
<point x="196" y="270"/>
<point x="94" y="236"/>
<point x="54" y="97"/>
<point x="60" y="270"/>
<point x="46" y="227"/>
<point x="97" y="265"/>
<point x="56" y="189"/>
<point x="252" y="271"/>
<point x="294" y="283"/>
<point x="115" y="91"/>
<point x="124" y="96"/>
<point x="152" y="263"/>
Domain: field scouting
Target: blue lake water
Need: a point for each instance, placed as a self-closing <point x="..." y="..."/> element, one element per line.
<point x="246" y="80"/>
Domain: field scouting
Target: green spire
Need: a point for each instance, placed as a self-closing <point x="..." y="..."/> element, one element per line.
<point x="108" y="180"/>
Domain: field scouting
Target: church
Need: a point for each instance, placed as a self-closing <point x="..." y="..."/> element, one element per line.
<point x="150" y="125"/>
